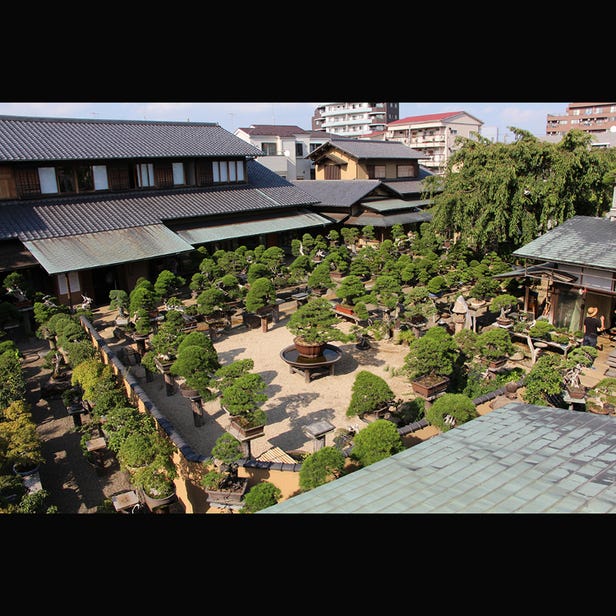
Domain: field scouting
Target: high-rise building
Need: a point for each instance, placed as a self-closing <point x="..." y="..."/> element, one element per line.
<point x="589" y="117"/>
<point x="354" y="119"/>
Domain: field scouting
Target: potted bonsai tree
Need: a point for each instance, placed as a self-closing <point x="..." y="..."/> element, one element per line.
<point x="242" y="400"/>
<point x="220" y="479"/>
<point x="118" y="300"/>
<point x="503" y="303"/>
<point x="350" y="290"/>
<point x="494" y="345"/>
<point x="20" y="442"/>
<point x="314" y="325"/>
<point x="430" y="361"/>
<point x="320" y="279"/>
<point x="370" y="395"/>
<point x="260" y="298"/>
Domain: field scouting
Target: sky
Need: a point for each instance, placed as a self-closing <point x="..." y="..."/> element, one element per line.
<point x="232" y="115"/>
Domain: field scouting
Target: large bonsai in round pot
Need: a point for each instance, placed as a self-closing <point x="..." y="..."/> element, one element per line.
<point x="314" y="325"/>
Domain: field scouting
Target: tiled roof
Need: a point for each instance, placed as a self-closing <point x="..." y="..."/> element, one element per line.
<point x="409" y="187"/>
<point x="581" y="240"/>
<point x="338" y="192"/>
<point x="63" y="216"/>
<point x="274" y="130"/>
<point x="430" y="117"/>
<point x="365" y="148"/>
<point x="40" y="139"/>
<point x="519" y="458"/>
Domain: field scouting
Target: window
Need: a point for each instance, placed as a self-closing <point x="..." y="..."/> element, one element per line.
<point x="204" y="172"/>
<point x="47" y="179"/>
<point x="228" y="171"/>
<point x="66" y="179"/>
<point x="269" y="149"/>
<point x="299" y="149"/>
<point x="405" y="171"/>
<point x="99" y="172"/>
<point x="145" y="175"/>
<point x="376" y="171"/>
<point x="178" y="174"/>
<point x="27" y="182"/>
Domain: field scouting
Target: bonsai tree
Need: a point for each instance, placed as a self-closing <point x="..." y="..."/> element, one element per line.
<point x="221" y="470"/>
<point x="503" y="303"/>
<point x="261" y="496"/>
<point x="12" y="381"/>
<point x="494" y="343"/>
<point x="118" y="300"/>
<point x="226" y="375"/>
<point x="375" y="442"/>
<point x="544" y="379"/>
<point x="350" y="289"/>
<point x="143" y="448"/>
<point x="262" y="293"/>
<point x="450" y="410"/>
<point x="124" y="421"/>
<point x="320" y="278"/>
<point x="170" y="334"/>
<point x="142" y="296"/>
<point x="196" y="363"/>
<point x="167" y="283"/>
<point x="243" y="398"/>
<point x="370" y="392"/>
<point x="16" y="285"/>
<point x="210" y="301"/>
<point x="541" y="329"/>
<point x="320" y="467"/>
<point x="20" y="443"/>
<point x="315" y="322"/>
<point x="434" y="353"/>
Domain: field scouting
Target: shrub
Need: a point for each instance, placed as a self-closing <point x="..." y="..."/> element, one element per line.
<point x="315" y="322"/>
<point x="545" y="378"/>
<point x="376" y="441"/>
<point x="262" y="293"/>
<point x="458" y="406"/>
<point x="433" y="353"/>
<point x="320" y="467"/>
<point x="261" y="496"/>
<point x="369" y="393"/>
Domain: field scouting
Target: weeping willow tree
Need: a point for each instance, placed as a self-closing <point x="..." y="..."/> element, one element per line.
<point x="497" y="196"/>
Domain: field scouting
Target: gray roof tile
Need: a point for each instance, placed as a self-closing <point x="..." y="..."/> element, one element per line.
<point x="472" y="469"/>
<point x="365" y="148"/>
<point x="58" y="217"/>
<point x="581" y="240"/>
<point x="43" y="139"/>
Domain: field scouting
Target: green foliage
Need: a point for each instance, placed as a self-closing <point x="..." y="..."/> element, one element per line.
<point x="320" y="467"/>
<point x="244" y="396"/>
<point x="226" y="375"/>
<point x="12" y="381"/>
<point x="505" y="302"/>
<point x="197" y="364"/>
<point x="167" y="283"/>
<point x="124" y="421"/>
<point x="227" y="449"/>
<point x="315" y="321"/>
<point x="466" y="339"/>
<point x="351" y="288"/>
<point x="503" y="196"/>
<point x="20" y="443"/>
<point x="118" y="300"/>
<point x="369" y="393"/>
<point x="89" y="373"/>
<point x="541" y="329"/>
<point x="436" y="284"/>
<point x="143" y="448"/>
<point x="458" y="406"/>
<point x="494" y="343"/>
<point x="433" y="353"/>
<point x="256" y="271"/>
<point x="262" y="293"/>
<point x="210" y="300"/>
<point x="544" y="378"/>
<point x="320" y="277"/>
<point x="375" y="442"/>
<point x="261" y="496"/>
<point x="142" y="297"/>
<point x="36" y="502"/>
<point x="156" y="480"/>
<point x="79" y="351"/>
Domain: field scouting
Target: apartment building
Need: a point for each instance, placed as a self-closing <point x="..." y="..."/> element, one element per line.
<point x="285" y="148"/>
<point x="589" y="117"/>
<point x="354" y="119"/>
<point x="433" y="135"/>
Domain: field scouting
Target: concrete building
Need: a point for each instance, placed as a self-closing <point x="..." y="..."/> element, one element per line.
<point x="590" y="117"/>
<point x="285" y="148"/>
<point x="354" y="119"/>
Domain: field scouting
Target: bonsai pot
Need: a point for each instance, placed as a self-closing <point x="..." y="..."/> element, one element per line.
<point x="497" y="362"/>
<point x="577" y="392"/>
<point x="309" y="349"/>
<point x="242" y="433"/>
<point x="228" y="497"/>
<point x="154" y="502"/>
<point x="25" y="470"/>
<point x="344" y="309"/>
<point x="430" y="384"/>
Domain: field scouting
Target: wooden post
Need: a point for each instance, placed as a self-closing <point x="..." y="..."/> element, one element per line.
<point x="197" y="409"/>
